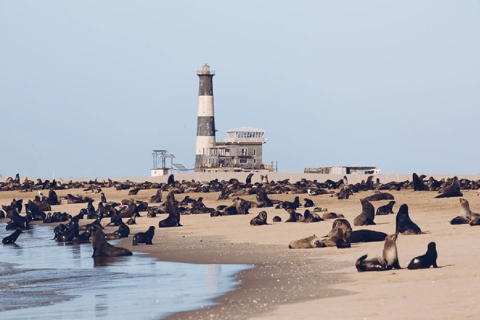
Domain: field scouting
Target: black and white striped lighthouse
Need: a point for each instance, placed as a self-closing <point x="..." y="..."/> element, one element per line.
<point x="206" y="122"/>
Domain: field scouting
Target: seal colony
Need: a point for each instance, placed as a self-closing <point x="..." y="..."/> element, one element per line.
<point x="196" y="213"/>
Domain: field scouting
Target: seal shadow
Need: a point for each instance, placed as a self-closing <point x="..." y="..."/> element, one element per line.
<point x="13" y="245"/>
<point x="107" y="261"/>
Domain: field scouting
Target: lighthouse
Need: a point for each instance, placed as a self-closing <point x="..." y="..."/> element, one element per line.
<point x="205" y="146"/>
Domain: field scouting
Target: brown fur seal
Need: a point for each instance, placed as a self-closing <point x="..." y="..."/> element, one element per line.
<point x="12" y="238"/>
<point x="387" y="261"/>
<point x="466" y="215"/>
<point x="451" y="190"/>
<point x="386" y="209"/>
<point x="367" y="236"/>
<point x="311" y="217"/>
<point x="101" y="248"/>
<point x="332" y="215"/>
<point x="339" y="235"/>
<point x="277" y="219"/>
<point x="418" y="184"/>
<point x="380" y="196"/>
<point x="294" y="216"/>
<point x="260" y="219"/>
<point x="144" y="237"/>
<point x="366" y="217"/>
<point x="427" y="260"/>
<point x="306" y="243"/>
<point x="404" y="224"/>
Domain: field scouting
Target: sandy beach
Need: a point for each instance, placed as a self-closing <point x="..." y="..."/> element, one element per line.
<point x="321" y="282"/>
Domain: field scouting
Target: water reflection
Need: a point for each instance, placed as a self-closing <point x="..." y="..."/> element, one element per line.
<point x="42" y="279"/>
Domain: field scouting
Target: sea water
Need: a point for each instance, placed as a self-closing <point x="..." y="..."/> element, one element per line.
<point x="40" y="278"/>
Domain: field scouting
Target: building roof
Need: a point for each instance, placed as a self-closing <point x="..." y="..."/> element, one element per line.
<point x="245" y="134"/>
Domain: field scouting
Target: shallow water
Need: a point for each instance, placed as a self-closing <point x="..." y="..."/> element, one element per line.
<point x="40" y="278"/>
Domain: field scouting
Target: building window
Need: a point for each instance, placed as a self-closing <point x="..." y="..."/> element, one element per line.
<point x="244" y="152"/>
<point x="243" y="160"/>
<point x="254" y="160"/>
<point x="254" y="152"/>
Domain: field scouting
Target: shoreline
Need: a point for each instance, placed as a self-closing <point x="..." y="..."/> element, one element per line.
<point x="277" y="277"/>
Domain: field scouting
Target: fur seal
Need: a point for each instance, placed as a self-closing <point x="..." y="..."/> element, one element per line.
<point x="144" y="237"/>
<point x="387" y="261"/>
<point x="367" y="236"/>
<point x="308" y="203"/>
<point x="13" y="237"/>
<point x="277" y="219"/>
<point x="306" y="243"/>
<point x="294" y="216"/>
<point x="451" y="190"/>
<point x="404" y="224"/>
<point x="260" y="219"/>
<point x="173" y="219"/>
<point x="248" y="180"/>
<point x="311" y="217"/>
<point x="427" y="260"/>
<point x="466" y="215"/>
<point x="418" y="184"/>
<point x="332" y="215"/>
<point x="366" y="217"/>
<point x="340" y="234"/>
<point x="101" y="248"/>
<point x="291" y="205"/>
<point x="386" y="209"/>
<point x="380" y="196"/>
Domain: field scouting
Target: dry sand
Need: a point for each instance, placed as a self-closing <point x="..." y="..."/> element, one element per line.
<point x="322" y="282"/>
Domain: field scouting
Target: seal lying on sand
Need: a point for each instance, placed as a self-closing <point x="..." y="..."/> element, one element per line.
<point x="427" y="260"/>
<point x="260" y="219"/>
<point x="306" y="243"/>
<point x="101" y="248"/>
<point x="380" y="196"/>
<point x="387" y="261"/>
<point x="338" y="237"/>
<point x="367" y="236"/>
<point x="366" y="217"/>
<point x="144" y="237"/>
<point x="404" y="224"/>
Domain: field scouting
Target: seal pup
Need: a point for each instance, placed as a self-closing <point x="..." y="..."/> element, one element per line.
<point x="366" y="217"/>
<point x="101" y="248"/>
<point x="404" y="224"/>
<point x="260" y="219"/>
<point x="387" y="261"/>
<point x="277" y="219"/>
<point x="144" y="237"/>
<point x="386" y="209"/>
<point x="248" y="180"/>
<point x="427" y="260"/>
<point x="103" y="199"/>
<point x="13" y="237"/>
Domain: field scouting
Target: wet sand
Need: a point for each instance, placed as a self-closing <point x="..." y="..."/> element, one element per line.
<point x="309" y="283"/>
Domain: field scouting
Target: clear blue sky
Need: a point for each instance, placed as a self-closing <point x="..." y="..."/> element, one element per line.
<point x="90" y="88"/>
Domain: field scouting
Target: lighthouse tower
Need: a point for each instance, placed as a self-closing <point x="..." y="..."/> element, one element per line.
<point x="205" y="145"/>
